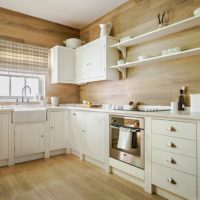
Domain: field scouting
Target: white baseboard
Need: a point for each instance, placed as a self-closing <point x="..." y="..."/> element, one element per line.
<point x="57" y="152"/>
<point x="3" y="163"/>
<point x="95" y="162"/>
<point x="126" y="168"/>
<point x="128" y="177"/>
<point x="163" y="193"/>
<point x="29" y="158"/>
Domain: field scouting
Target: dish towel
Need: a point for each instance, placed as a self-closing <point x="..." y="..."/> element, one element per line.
<point x="125" y="139"/>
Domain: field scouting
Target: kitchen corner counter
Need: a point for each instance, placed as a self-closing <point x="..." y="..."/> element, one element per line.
<point x="185" y="115"/>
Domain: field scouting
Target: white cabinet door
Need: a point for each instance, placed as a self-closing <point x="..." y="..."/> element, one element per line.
<point x="79" y="65"/>
<point x="94" y="67"/>
<point x="93" y="61"/>
<point x="94" y="137"/>
<point x="29" y="139"/>
<point x="77" y="129"/>
<point x="4" y="131"/>
<point x="58" y="131"/>
<point x="62" y="65"/>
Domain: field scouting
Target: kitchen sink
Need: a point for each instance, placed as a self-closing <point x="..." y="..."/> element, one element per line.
<point x="28" y="114"/>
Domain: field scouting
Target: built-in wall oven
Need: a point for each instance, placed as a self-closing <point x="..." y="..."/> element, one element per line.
<point x="127" y="140"/>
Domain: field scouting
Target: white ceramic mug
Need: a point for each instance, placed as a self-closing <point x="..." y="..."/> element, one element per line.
<point x="54" y="101"/>
<point x="174" y="106"/>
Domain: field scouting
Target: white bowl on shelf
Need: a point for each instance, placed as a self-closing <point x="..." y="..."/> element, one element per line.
<point x="73" y="43"/>
<point x="197" y="12"/>
<point x="144" y="57"/>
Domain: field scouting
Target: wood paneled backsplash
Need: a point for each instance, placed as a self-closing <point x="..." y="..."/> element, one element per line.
<point x="152" y="84"/>
<point x="30" y="30"/>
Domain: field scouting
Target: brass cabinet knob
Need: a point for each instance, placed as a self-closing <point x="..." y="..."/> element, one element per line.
<point x="172" y="181"/>
<point x="171" y="144"/>
<point x="171" y="129"/>
<point x="171" y="160"/>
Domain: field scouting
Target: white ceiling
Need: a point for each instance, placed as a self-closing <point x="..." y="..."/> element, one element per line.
<point x="74" y="13"/>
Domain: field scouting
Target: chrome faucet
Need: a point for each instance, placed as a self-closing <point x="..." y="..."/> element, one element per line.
<point x="23" y="89"/>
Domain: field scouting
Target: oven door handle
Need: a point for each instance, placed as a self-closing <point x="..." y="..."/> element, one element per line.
<point x="132" y="129"/>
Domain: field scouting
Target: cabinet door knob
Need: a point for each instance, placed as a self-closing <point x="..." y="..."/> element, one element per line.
<point x="172" y="181"/>
<point x="42" y="136"/>
<point x="171" y="129"/>
<point x="52" y="127"/>
<point x="171" y="160"/>
<point x="74" y="114"/>
<point x="171" y="144"/>
<point x="83" y="131"/>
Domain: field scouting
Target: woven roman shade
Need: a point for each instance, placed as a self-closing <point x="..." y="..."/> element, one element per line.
<point x="23" y="58"/>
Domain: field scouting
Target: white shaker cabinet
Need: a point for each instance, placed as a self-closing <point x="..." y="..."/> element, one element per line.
<point x="29" y="139"/>
<point x="4" y="131"/>
<point x="58" y="130"/>
<point x="87" y="134"/>
<point x="77" y="129"/>
<point x="93" y="61"/>
<point x="94" y="136"/>
<point x="62" y="65"/>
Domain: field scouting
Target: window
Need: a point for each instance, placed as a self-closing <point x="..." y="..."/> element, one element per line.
<point x="11" y="85"/>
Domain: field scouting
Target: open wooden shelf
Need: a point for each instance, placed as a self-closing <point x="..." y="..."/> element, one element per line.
<point x="158" y="33"/>
<point x="173" y="56"/>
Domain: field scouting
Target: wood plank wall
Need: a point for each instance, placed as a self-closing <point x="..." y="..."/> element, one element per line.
<point x="30" y="30"/>
<point x="154" y="84"/>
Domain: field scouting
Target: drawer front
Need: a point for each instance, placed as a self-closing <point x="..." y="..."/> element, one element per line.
<point x="183" y="130"/>
<point x="174" y="161"/>
<point x="174" y="145"/>
<point x="173" y="181"/>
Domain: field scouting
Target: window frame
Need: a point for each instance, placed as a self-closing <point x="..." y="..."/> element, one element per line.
<point x="41" y="86"/>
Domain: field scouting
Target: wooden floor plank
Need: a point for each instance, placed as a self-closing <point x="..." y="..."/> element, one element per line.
<point x="65" y="178"/>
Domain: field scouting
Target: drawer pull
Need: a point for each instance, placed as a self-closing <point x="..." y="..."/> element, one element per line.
<point x="172" y="181"/>
<point x="171" y="144"/>
<point x="171" y="160"/>
<point x="171" y="129"/>
<point x="52" y="127"/>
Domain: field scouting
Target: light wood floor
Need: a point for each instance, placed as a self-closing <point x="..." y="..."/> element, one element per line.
<point x="65" y="178"/>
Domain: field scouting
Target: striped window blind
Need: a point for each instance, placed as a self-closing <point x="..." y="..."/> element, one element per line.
<point x="24" y="58"/>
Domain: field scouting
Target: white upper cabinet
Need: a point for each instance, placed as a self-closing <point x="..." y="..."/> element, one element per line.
<point x="93" y="61"/>
<point x="62" y="65"/>
<point x="4" y="131"/>
<point x="88" y="63"/>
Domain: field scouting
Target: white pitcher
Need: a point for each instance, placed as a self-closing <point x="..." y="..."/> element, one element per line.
<point x="105" y="29"/>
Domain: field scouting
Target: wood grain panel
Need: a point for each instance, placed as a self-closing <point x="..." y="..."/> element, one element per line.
<point x="30" y="30"/>
<point x="152" y="84"/>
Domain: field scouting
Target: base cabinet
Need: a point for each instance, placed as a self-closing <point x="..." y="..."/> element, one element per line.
<point x="4" y="131"/>
<point x="94" y="136"/>
<point x="58" y="130"/>
<point x="174" y="157"/>
<point x="77" y="128"/>
<point x="29" y="139"/>
<point x="87" y="134"/>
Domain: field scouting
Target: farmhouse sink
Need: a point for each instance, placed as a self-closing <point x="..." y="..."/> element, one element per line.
<point x="28" y="114"/>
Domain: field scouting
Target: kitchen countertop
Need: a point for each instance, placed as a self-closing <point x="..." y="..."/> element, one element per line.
<point x="186" y="115"/>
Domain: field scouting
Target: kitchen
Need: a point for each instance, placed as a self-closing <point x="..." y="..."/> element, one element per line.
<point x="100" y="118"/>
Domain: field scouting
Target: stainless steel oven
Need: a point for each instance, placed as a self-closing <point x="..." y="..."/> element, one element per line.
<point x="127" y="140"/>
